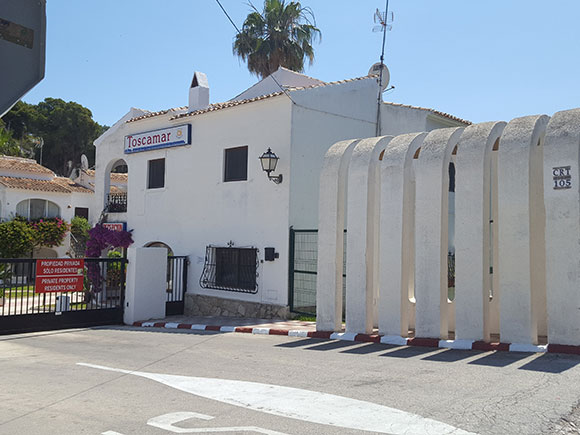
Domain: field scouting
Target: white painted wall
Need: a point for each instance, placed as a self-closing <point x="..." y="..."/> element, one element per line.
<point x="320" y="118"/>
<point x="146" y="275"/>
<point x="196" y="208"/>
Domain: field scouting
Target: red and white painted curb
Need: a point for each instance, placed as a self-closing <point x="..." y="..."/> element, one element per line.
<point x="375" y="338"/>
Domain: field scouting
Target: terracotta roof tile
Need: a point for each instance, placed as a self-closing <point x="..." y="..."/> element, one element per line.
<point x="33" y="184"/>
<point x="118" y="177"/>
<point x="219" y="106"/>
<point x="23" y="165"/>
<point x="159" y="113"/>
<point x="71" y="185"/>
<point x="338" y="82"/>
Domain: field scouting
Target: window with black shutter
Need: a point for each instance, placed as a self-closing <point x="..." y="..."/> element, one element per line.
<point x="236" y="164"/>
<point x="156" y="174"/>
<point x="82" y="212"/>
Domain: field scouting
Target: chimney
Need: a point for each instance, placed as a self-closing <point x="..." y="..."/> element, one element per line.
<point x="198" y="92"/>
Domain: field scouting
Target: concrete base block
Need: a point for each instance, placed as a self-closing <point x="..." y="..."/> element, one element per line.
<point x="456" y="344"/>
<point x="523" y="347"/>
<point x="346" y="336"/>
<point x="394" y="339"/>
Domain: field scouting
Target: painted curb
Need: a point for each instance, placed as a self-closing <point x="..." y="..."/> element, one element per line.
<point x="392" y="340"/>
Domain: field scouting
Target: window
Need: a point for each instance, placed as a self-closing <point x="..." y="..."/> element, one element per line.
<point x="37" y="208"/>
<point x="230" y="269"/>
<point x="82" y="212"/>
<point x="156" y="174"/>
<point x="236" y="164"/>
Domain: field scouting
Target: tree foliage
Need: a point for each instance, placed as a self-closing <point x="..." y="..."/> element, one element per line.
<point x="16" y="238"/>
<point x="282" y="35"/>
<point x="66" y="128"/>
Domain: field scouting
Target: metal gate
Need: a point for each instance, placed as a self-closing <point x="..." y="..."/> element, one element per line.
<point x="22" y="309"/>
<point x="303" y="261"/>
<point x="176" y="285"/>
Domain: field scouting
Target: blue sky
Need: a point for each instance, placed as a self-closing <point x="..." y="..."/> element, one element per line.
<point x="479" y="60"/>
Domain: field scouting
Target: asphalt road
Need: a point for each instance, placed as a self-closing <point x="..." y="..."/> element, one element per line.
<point x="150" y="381"/>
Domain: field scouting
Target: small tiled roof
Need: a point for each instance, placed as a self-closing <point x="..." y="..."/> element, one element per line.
<point x="118" y="177"/>
<point x="20" y="164"/>
<point x="337" y="82"/>
<point x="71" y="185"/>
<point x="159" y="113"/>
<point x="33" y="184"/>
<point x="219" y="106"/>
<point x="435" y="112"/>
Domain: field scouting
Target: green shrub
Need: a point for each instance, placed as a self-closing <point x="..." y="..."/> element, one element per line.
<point x="16" y="238"/>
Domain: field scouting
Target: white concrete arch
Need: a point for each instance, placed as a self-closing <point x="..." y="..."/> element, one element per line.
<point x="331" y="224"/>
<point x="472" y="230"/>
<point x="362" y="281"/>
<point x="521" y="222"/>
<point x="397" y="217"/>
<point x="431" y="232"/>
<point x="562" y="205"/>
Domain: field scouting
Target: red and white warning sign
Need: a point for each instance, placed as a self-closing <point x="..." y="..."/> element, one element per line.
<point x="59" y="275"/>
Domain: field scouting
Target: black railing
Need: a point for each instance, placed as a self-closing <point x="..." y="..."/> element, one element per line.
<point x="230" y="269"/>
<point x="19" y="295"/>
<point x="176" y="284"/>
<point x="117" y="203"/>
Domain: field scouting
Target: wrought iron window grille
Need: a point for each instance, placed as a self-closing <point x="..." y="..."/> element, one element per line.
<point x="230" y="268"/>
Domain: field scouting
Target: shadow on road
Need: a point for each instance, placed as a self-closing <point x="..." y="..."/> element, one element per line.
<point x="552" y="363"/>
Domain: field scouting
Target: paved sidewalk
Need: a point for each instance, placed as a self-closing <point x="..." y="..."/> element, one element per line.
<point x="298" y="328"/>
<point x="282" y="324"/>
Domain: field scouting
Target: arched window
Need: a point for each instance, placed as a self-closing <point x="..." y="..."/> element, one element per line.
<point x="37" y="208"/>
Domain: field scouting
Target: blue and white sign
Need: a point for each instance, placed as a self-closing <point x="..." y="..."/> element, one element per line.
<point x="164" y="138"/>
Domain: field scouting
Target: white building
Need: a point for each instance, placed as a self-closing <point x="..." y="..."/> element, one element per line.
<point x="196" y="185"/>
<point x="33" y="191"/>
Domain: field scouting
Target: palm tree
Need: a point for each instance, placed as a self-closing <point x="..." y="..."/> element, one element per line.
<point x="282" y="35"/>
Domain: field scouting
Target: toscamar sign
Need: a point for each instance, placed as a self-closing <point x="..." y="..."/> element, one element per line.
<point x="163" y="138"/>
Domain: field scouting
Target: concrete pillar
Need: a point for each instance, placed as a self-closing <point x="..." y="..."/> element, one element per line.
<point x="362" y="234"/>
<point x="146" y="284"/>
<point x="521" y="229"/>
<point x="472" y="230"/>
<point x="331" y="224"/>
<point x="431" y="232"/>
<point x="562" y="202"/>
<point x="397" y="224"/>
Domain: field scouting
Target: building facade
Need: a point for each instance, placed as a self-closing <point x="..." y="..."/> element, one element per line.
<point x="195" y="183"/>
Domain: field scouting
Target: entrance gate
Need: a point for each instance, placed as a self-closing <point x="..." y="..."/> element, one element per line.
<point x="24" y="310"/>
<point x="176" y="285"/>
<point x="303" y="263"/>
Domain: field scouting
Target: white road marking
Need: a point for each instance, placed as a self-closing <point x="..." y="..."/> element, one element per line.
<point x="167" y="422"/>
<point x="304" y="405"/>
<point x="111" y="432"/>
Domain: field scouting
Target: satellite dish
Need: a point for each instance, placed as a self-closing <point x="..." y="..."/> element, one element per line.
<point x="84" y="162"/>
<point x="386" y="76"/>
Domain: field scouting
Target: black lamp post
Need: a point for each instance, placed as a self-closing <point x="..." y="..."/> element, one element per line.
<point x="269" y="160"/>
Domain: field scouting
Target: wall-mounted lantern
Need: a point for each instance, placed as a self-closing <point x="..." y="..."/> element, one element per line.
<point x="269" y="160"/>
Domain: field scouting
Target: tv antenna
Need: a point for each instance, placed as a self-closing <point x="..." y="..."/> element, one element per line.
<point x="384" y="22"/>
